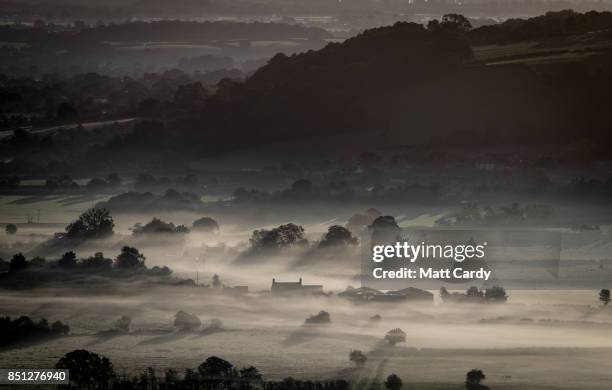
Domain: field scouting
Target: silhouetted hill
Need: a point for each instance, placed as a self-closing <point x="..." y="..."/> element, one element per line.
<point x="405" y="85"/>
<point x="334" y="90"/>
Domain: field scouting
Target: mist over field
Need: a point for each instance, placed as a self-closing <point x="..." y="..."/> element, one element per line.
<point x="191" y="193"/>
<point x="513" y="342"/>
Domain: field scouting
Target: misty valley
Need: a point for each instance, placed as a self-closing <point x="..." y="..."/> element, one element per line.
<point x="151" y="294"/>
<point x="306" y="196"/>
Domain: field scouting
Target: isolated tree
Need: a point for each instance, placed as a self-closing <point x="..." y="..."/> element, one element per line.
<point x="496" y="294"/>
<point x="68" y="260"/>
<point x="18" y="262"/>
<point x="473" y="379"/>
<point x="604" y="296"/>
<point x="357" y="357"/>
<point x="11" y="229"/>
<point x="395" y="336"/>
<point x="122" y="324"/>
<point x="186" y="321"/>
<point x="338" y="236"/>
<point x="215" y="371"/>
<point x="216" y="281"/>
<point x="60" y="328"/>
<point x="358" y="221"/>
<point x="87" y="369"/>
<point x="384" y="229"/>
<point x="321" y="317"/>
<point x="393" y="382"/>
<point x="93" y="223"/>
<point x="205" y="224"/>
<point x="130" y="258"/>
<point x="280" y="237"/>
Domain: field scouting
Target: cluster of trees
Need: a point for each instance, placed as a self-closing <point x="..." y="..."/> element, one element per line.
<point x="494" y="294"/>
<point x="157" y="226"/>
<point x="89" y="370"/>
<point x="95" y="223"/>
<point x="338" y="236"/>
<point x="92" y="371"/>
<point x="52" y="100"/>
<point x="187" y="322"/>
<point x="235" y="113"/>
<point x="450" y="22"/>
<point x="291" y="235"/>
<point x="277" y="238"/>
<point x="129" y="259"/>
<point x="110" y="182"/>
<point x="66" y="183"/>
<point x="24" y="329"/>
<point x="18" y="262"/>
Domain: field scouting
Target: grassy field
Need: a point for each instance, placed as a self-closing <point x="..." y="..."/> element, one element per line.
<point x="443" y="342"/>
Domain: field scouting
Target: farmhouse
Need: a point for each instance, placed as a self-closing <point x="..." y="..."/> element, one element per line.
<point x="291" y="288"/>
<point x="372" y="295"/>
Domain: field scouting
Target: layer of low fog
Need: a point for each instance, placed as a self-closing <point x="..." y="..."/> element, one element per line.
<point x="270" y="332"/>
<point x="531" y="329"/>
